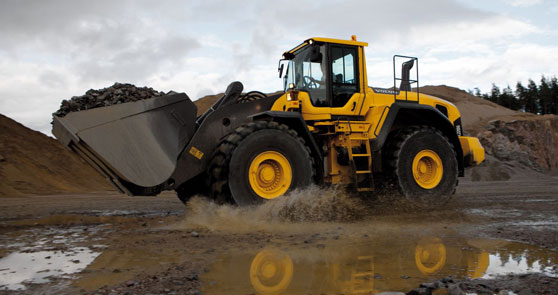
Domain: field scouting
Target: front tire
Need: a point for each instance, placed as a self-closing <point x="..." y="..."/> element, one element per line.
<point x="260" y="161"/>
<point x="422" y="164"/>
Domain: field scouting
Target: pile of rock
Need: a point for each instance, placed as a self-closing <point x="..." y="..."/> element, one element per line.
<point x="115" y="94"/>
<point x="533" y="143"/>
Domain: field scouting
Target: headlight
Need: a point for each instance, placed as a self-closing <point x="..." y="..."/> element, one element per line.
<point x="292" y="95"/>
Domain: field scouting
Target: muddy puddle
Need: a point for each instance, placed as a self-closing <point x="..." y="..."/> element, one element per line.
<point x="47" y="254"/>
<point x="37" y="267"/>
<point x="371" y="265"/>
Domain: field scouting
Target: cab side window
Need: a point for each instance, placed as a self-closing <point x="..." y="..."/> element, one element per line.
<point x="344" y="74"/>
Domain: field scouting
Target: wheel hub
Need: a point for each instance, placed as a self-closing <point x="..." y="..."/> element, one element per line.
<point x="427" y="169"/>
<point x="270" y="174"/>
<point x="271" y="271"/>
<point x="430" y="255"/>
<point x="267" y="173"/>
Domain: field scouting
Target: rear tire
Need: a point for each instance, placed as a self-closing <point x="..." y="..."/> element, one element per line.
<point x="422" y="165"/>
<point x="260" y="160"/>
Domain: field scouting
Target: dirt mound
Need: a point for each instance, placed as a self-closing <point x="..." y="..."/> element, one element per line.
<point x="115" y="94"/>
<point x="204" y="103"/>
<point x="517" y="144"/>
<point x="207" y="101"/>
<point x="33" y="163"/>
<point x="475" y="112"/>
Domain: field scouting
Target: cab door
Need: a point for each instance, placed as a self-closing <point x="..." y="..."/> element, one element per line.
<point x="329" y="78"/>
<point x="345" y="91"/>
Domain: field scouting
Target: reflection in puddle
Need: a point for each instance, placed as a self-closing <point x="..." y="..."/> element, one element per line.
<point x="372" y="265"/>
<point x="38" y="255"/>
<point x="36" y="267"/>
<point x="115" y="266"/>
<point x="505" y="264"/>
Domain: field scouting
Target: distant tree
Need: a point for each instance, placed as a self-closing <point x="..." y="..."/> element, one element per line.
<point x="545" y="96"/>
<point x="521" y="94"/>
<point x="538" y="99"/>
<point x="532" y="98"/>
<point x="495" y="94"/>
<point x="477" y="92"/>
<point x="508" y="99"/>
<point x="554" y="94"/>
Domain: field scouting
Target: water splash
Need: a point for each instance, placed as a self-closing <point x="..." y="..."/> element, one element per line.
<point x="312" y="205"/>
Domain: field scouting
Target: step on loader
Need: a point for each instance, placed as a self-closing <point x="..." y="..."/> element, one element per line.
<point x="327" y="127"/>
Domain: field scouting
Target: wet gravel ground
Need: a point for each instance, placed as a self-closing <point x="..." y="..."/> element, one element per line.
<point x="145" y="246"/>
<point x="524" y="211"/>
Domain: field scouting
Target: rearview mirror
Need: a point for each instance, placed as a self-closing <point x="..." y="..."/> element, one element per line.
<point x="315" y="54"/>
<point x="281" y="70"/>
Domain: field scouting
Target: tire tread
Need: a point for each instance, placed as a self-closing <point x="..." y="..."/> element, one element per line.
<point x="218" y="168"/>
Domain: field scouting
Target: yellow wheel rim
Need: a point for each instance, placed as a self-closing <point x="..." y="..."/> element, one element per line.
<point x="427" y="169"/>
<point x="430" y="256"/>
<point x="270" y="174"/>
<point x="271" y="271"/>
<point x="478" y="264"/>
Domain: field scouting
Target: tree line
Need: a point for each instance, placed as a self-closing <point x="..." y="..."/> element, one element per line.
<point x="538" y="99"/>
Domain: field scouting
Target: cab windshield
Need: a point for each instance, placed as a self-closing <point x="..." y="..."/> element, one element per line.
<point x="307" y="72"/>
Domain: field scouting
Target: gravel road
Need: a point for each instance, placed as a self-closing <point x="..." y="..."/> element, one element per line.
<point x="502" y="236"/>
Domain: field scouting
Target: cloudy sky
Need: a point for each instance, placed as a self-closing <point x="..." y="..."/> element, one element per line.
<point x="52" y="50"/>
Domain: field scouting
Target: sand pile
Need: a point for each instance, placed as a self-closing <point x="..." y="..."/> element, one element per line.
<point x="475" y="112"/>
<point x="33" y="163"/>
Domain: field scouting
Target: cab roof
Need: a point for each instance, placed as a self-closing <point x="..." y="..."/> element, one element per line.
<point x="353" y="41"/>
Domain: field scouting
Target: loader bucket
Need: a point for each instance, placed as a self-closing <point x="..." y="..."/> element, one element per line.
<point x="136" y="145"/>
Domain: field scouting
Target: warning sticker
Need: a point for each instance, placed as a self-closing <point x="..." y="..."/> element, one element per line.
<point x="196" y="153"/>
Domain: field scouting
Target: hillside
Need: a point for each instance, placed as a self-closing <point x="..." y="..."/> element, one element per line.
<point x="476" y="112"/>
<point x="33" y="163"/>
<point x="206" y="102"/>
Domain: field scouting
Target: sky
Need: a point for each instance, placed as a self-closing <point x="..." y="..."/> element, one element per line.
<point x="53" y="50"/>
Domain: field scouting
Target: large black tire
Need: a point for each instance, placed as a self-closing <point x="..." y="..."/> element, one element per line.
<point x="229" y="167"/>
<point x="399" y="154"/>
<point x="191" y="188"/>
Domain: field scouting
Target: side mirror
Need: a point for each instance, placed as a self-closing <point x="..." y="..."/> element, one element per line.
<point x="315" y="54"/>
<point x="280" y="69"/>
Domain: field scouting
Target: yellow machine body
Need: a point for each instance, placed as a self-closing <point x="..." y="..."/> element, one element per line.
<point x="360" y="119"/>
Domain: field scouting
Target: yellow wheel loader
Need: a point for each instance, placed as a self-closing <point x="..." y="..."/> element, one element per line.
<point x="327" y="127"/>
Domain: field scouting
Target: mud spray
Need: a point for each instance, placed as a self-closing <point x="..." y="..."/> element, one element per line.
<point x="312" y="205"/>
<point x="312" y="209"/>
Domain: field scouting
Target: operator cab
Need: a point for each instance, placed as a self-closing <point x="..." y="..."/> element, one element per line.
<point x="328" y="72"/>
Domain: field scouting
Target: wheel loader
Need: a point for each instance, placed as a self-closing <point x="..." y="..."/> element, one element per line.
<point x="327" y="127"/>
